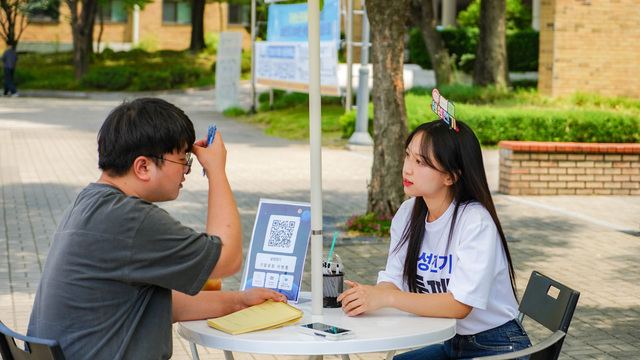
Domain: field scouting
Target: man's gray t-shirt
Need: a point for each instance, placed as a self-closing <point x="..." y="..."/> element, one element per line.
<point x="105" y="291"/>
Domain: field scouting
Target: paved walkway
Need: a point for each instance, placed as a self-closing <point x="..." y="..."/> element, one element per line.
<point x="48" y="153"/>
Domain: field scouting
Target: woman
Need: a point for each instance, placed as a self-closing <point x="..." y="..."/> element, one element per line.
<point x="448" y="254"/>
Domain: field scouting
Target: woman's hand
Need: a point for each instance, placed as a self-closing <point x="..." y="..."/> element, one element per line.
<point x="362" y="298"/>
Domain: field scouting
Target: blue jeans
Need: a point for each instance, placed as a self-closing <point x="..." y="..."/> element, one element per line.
<point x="505" y="338"/>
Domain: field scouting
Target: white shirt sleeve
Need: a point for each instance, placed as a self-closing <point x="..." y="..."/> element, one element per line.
<point x="478" y="244"/>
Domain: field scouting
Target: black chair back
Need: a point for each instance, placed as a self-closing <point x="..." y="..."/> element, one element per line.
<point x="551" y="304"/>
<point x="34" y="348"/>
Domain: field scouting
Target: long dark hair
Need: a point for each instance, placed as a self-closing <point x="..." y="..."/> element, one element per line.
<point x="459" y="155"/>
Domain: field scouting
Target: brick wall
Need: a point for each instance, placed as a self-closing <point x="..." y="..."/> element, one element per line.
<point x="549" y="168"/>
<point x="589" y="46"/>
<point x="152" y="30"/>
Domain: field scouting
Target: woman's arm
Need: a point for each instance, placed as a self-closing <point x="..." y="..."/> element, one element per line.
<point x="363" y="298"/>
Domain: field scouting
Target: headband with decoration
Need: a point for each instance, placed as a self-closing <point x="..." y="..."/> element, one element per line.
<point x="444" y="109"/>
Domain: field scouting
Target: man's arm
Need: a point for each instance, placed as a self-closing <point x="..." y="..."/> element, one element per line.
<point x="211" y="304"/>
<point x="223" y="218"/>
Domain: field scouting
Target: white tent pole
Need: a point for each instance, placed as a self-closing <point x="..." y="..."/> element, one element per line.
<point x="315" y="137"/>
<point x="252" y="110"/>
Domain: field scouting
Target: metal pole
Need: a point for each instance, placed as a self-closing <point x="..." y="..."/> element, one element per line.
<point x="271" y="99"/>
<point x="315" y="135"/>
<point x="136" y="24"/>
<point x="349" y="43"/>
<point x="252" y="110"/>
<point x="449" y="13"/>
<point x="361" y="136"/>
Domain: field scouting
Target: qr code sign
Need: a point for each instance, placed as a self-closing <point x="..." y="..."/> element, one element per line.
<point x="281" y="234"/>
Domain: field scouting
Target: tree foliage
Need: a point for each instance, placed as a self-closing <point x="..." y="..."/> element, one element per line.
<point x="83" y="17"/>
<point x="517" y="16"/>
<point x="14" y="15"/>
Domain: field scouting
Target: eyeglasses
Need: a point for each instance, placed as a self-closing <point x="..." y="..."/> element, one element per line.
<point x="187" y="164"/>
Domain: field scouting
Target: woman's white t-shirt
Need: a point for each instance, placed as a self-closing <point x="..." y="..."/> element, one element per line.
<point x="473" y="267"/>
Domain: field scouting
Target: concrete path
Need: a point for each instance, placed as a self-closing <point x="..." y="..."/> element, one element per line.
<point x="48" y="154"/>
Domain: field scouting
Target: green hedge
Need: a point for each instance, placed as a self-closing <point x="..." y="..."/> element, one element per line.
<point x="493" y="124"/>
<point x="283" y="100"/>
<point x="522" y="48"/>
<point x="109" y="78"/>
<point x="134" y="70"/>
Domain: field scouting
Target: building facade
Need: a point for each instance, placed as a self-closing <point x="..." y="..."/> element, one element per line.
<point x="591" y="46"/>
<point x="162" y="24"/>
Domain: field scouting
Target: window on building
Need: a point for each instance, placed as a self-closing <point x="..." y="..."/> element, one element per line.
<point x="176" y="11"/>
<point x="112" y="11"/>
<point x="239" y="14"/>
<point x="43" y="11"/>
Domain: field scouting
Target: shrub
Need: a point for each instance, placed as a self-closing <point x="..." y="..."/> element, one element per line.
<point x="369" y="224"/>
<point x="109" y="78"/>
<point x="614" y="121"/>
<point x="348" y="122"/>
<point x="234" y="111"/>
<point x="154" y="80"/>
<point x="179" y="75"/>
<point x="133" y="55"/>
<point x="492" y="124"/>
<point x="283" y="100"/>
<point x="522" y="50"/>
<point x="245" y="62"/>
<point x="211" y="40"/>
<point x="106" y="54"/>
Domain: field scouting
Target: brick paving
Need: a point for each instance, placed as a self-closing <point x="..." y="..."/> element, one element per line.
<point x="48" y="154"/>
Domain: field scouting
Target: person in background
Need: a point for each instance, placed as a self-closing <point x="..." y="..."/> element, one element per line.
<point x="448" y="254"/>
<point x="9" y="61"/>
<point x="120" y="269"/>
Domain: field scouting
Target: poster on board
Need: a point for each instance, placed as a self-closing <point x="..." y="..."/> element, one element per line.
<point x="286" y="66"/>
<point x="278" y="247"/>
<point x="290" y="22"/>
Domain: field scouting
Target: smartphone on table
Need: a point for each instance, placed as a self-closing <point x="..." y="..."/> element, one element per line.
<point x="327" y="331"/>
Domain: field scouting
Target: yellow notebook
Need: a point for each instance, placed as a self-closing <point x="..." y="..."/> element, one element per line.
<point x="267" y="315"/>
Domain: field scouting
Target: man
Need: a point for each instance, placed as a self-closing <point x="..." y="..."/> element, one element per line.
<point x="9" y="60"/>
<point x="120" y="269"/>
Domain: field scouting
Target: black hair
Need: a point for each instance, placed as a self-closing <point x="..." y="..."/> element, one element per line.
<point x="142" y="127"/>
<point x="459" y="155"/>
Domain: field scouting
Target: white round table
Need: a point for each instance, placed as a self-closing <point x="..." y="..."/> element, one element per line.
<point x="383" y="330"/>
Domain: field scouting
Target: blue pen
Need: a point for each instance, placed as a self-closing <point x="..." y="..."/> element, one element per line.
<point x="210" y="136"/>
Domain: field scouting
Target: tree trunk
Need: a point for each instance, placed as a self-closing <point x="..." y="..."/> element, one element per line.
<point x="390" y="129"/>
<point x="221" y="16"/>
<point x="424" y="17"/>
<point x="9" y="21"/>
<point x="491" y="67"/>
<point x="8" y="25"/>
<point x="197" y="26"/>
<point x="101" y="31"/>
<point x="82" y="31"/>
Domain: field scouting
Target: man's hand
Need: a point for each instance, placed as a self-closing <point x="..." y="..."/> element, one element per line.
<point x="256" y="296"/>
<point x="211" y="304"/>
